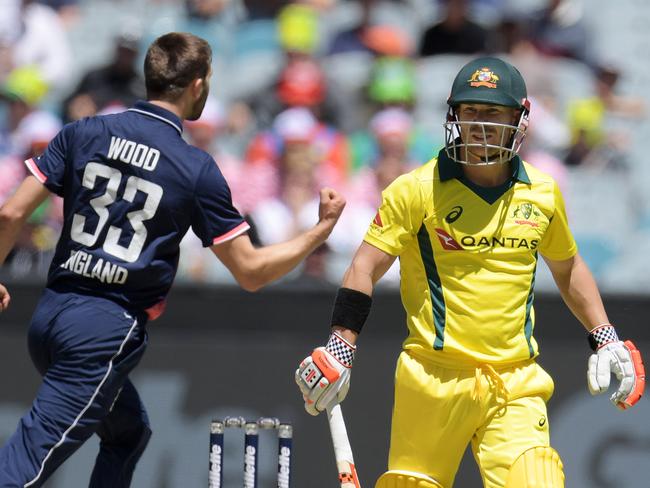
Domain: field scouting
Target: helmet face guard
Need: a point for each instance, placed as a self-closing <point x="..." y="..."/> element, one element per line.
<point x="501" y="151"/>
<point x="486" y="81"/>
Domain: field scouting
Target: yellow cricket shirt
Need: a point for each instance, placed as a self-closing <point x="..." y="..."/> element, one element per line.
<point x="468" y="257"/>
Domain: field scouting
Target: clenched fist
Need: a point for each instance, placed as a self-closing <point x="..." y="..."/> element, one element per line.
<point x="5" y="298"/>
<point x="331" y="207"/>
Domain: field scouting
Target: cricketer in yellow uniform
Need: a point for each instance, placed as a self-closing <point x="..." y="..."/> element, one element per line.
<point x="468" y="228"/>
<point x="467" y="258"/>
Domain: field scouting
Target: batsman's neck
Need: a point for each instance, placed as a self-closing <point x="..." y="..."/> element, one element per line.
<point x="488" y="175"/>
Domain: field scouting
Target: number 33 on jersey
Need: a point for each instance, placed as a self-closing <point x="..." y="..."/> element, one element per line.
<point x="129" y="202"/>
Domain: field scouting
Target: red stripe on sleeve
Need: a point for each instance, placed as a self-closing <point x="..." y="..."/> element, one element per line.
<point x="231" y="234"/>
<point x="34" y="169"/>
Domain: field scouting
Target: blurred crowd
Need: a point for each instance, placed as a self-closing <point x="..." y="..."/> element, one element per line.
<point x="303" y="100"/>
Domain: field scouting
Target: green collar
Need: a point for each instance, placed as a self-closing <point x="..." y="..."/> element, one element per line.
<point x="449" y="169"/>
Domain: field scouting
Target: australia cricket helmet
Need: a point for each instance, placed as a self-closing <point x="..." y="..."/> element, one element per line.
<point x="489" y="81"/>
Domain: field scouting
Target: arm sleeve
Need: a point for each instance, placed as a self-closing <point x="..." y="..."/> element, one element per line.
<point x="49" y="168"/>
<point x="558" y="243"/>
<point x="399" y="217"/>
<point x="215" y="219"/>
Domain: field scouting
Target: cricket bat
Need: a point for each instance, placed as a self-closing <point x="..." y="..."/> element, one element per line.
<point x="342" y="451"/>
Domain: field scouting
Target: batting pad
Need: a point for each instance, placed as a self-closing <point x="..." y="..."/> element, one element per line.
<point x="405" y="479"/>
<point x="538" y="467"/>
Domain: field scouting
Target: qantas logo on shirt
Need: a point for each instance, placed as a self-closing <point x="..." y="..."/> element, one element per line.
<point x="377" y="220"/>
<point x="447" y="241"/>
<point x="512" y="242"/>
<point x="450" y="244"/>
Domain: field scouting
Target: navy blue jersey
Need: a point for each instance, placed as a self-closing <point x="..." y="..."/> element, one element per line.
<point x="131" y="187"/>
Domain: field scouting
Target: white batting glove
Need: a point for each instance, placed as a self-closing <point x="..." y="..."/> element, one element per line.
<point x="324" y="376"/>
<point x="620" y="358"/>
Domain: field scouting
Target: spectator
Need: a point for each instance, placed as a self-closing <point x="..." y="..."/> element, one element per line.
<point x="547" y="140"/>
<point x="559" y="29"/>
<point x="68" y="10"/>
<point x="287" y="215"/>
<point x="205" y="133"/>
<point x="547" y="131"/>
<point x="391" y="86"/>
<point x="301" y="81"/>
<point x="298" y="31"/>
<point x="351" y="40"/>
<point x="205" y="9"/>
<point x="10" y="28"/>
<point x="391" y="130"/>
<point x="21" y="92"/>
<point x="282" y="216"/>
<point x="265" y="154"/>
<point x="382" y="40"/>
<point x="392" y="83"/>
<point x="27" y="132"/>
<point x="592" y="142"/>
<point x="454" y="34"/>
<point x="511" y="37"/>
<point x="387" y="40"/>
<point x="214" y="18"/>
<point x="552" y="165"/>
<point x="117" y="82"/>
<point x="35" y="36"/>
<point x="263" y="9"/>
<point x="607" y="77"/>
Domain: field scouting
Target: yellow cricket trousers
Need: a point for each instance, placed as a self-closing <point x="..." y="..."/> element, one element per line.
<point x="438" y="411"/>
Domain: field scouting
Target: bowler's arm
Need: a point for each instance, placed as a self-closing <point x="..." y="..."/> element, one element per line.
<point x="579" y="290"/>
<point x="254" y="267"/>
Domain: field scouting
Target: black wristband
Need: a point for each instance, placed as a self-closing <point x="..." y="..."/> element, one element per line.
<point x="351" y="309"/>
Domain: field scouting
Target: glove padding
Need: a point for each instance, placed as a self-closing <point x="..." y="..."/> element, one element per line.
<point x="624" y="360"/>
<point x="324" y="376"/>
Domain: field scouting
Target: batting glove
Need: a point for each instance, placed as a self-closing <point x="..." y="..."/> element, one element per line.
<point x="324" y="376"/>
<point x="620" y="358"/>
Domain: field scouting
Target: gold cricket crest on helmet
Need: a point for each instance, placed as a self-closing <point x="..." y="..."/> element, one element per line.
<point x="484" y="77"/>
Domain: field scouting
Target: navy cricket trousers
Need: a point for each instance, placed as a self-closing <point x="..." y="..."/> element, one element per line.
<point x="84" y="347"/>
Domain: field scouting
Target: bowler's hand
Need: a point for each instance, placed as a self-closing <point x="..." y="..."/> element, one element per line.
<point x="5" y="298"/>
<point x="331" y="206"/>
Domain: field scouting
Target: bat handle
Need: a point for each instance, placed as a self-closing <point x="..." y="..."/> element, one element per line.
<point x="342" y="450"/>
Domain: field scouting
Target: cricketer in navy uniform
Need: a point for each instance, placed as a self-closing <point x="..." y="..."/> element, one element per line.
<point x="132" y="187"/>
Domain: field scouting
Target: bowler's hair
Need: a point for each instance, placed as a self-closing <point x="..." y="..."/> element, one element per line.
<point x="172" y="62"/>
